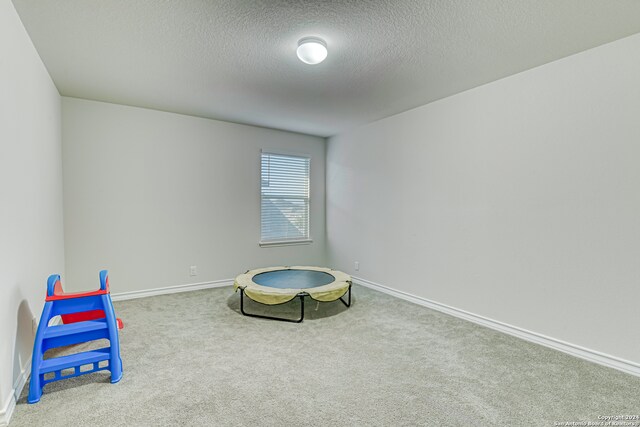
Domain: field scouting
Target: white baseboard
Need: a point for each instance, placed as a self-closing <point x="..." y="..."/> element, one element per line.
<point x="594" y="356"/>
<point x="7" y="411"/>
<point x="21" y="381"/>
<point x="121" y="296"/>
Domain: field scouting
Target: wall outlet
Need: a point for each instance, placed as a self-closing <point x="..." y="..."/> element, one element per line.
<point x="193" y="270"/>
<point x="356" y="265"/>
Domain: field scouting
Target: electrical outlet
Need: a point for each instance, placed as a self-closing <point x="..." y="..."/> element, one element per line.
<point x="193" y="270"/>
<point x="356" y="265"/>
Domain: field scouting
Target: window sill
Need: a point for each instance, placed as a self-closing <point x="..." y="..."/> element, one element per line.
<point x="285" y="243"/>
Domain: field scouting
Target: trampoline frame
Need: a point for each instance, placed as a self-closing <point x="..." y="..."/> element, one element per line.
<point x="300" y="295"/>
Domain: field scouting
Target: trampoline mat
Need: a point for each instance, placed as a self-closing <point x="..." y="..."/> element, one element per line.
<point x="293" y="279"/>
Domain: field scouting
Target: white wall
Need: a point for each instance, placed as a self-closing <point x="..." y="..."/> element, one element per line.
<point x="31" y="233"/>
<point x="518" y="200"/>
<point x="148" y="194"/>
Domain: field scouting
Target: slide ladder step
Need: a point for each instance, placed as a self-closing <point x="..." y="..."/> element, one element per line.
<point x="73" y="360"/>
<point x="74" y="328"/>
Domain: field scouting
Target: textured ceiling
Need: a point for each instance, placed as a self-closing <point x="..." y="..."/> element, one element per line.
<point x="235" y="60"/>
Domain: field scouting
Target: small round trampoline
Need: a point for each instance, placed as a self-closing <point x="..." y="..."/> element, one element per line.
<point x="279" y="285"/>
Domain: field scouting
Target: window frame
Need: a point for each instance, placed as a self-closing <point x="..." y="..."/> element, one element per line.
<point x="287" y="242"/>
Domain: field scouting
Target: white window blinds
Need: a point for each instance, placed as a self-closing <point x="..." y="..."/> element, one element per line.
<point x="284" y="213"/>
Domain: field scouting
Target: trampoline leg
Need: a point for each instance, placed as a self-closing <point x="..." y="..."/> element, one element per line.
<point x="301" y="309"/>
<point x="270" y="317"/>
<point x="348" y="304"/>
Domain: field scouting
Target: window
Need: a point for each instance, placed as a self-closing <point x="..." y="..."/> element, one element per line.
<point x="284" y="213"/>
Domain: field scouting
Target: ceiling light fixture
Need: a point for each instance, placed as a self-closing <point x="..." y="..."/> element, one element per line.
<point x="312" y="50"/>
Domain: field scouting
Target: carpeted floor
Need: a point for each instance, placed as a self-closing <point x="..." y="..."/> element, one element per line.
<point x="193" y="359"/>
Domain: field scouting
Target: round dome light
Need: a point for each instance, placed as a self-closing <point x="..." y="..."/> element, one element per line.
<point x="312" y="50"/>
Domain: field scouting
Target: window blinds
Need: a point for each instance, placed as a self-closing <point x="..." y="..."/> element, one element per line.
<point x="285" y="198"/>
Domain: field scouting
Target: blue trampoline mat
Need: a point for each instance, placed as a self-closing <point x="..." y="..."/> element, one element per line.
<point x="293" y="279"/>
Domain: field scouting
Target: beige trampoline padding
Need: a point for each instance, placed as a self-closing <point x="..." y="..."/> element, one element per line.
<point x="272" y="296"/>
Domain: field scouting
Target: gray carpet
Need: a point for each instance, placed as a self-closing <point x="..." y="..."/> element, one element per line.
<point x="193" y="359"/>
